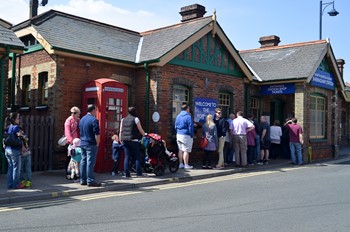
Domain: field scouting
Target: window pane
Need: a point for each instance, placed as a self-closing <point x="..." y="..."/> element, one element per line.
<point x="180" y="95"/>
<point x="317" y="117"/>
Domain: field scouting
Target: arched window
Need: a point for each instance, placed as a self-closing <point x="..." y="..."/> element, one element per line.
<point x="43" y="88"/>
<point x="26" y="90"/>
<point x="255" y="106"/>
<point x="226" y="103"/>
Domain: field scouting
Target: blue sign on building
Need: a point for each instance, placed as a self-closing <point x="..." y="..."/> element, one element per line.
<point x="278" y="89"/>
<point x="323" y="79"/>
<point x="203" y="107"/>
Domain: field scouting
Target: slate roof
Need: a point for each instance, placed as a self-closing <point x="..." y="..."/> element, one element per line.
<point x="286" y="62"/>
<point x="8" y="37"/>
<point x="71" y="33"/>
<point x="75" y="34"/>
<point x="157" y="43"/>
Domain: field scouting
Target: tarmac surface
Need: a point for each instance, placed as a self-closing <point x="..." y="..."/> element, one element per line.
<point x="53" y="184"/>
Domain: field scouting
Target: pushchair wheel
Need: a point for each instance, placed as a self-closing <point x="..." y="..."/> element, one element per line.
<point x="174" y="165"/>
<point x="158" y="170"/>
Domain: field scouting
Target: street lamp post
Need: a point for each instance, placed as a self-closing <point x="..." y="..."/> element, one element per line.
<point x="332" y="12"/>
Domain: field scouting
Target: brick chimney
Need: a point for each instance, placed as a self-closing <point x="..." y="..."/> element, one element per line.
<point x="340" y="63"/>
<point x="269" y="41"/>
<point x="192" y="12"/>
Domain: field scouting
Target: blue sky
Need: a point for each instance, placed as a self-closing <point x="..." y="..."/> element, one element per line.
<point x="244" y="22"/>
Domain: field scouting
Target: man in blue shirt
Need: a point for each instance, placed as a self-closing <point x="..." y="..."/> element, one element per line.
<point x="90" y="139"/>
<point x="184" y="135"/>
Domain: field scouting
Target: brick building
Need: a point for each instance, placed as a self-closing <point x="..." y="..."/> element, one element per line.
<point x="161" y="68"/>
<point x="9" y="43"/>
<point x="302" y="80"/>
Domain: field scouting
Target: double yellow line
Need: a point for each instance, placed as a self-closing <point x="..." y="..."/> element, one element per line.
<point x="172" y="185"/>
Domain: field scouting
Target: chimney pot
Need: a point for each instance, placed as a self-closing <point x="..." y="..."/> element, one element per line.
<point x="269" y="41"/>
<point x="192" y="12"/>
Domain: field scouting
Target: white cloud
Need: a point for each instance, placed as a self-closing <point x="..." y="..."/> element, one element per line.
<point x="16" y="11"/>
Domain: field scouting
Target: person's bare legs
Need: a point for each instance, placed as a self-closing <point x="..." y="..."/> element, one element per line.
<point x="186" y="157"/>
<point x="180" y="155"/>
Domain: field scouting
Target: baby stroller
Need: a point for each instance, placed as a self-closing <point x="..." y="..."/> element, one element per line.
<point x="158" y="156"/>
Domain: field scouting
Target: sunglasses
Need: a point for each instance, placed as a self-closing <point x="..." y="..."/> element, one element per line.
<point x="74" y="112"/>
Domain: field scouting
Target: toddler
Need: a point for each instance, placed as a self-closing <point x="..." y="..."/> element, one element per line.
<point x="75" y="152"/>
<point x="117" y="147"/>
<point x="26" y="163"/>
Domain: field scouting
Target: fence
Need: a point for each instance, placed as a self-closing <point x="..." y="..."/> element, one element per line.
<point x="40" y="133"/>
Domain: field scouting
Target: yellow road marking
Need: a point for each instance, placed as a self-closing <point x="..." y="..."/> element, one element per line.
<point x="172" y="185"/>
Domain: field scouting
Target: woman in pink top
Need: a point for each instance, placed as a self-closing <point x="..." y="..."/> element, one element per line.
<point x="71" y="131"/>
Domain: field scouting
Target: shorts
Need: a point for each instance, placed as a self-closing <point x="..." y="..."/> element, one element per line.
<point x="265" y="144"/>
<point x="184" y="142"/>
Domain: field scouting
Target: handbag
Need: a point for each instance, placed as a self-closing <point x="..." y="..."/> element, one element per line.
<point x="63" y="141"/>
<point x="12" y="140"/>
<point x="204" y="142"/>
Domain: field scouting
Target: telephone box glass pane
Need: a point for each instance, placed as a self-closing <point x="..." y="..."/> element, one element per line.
<point x="113" y="118"/>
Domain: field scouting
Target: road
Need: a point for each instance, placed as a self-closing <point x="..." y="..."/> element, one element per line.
<point x="294" y="198"/>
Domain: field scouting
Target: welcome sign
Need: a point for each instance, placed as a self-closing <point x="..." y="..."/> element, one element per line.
<point x="203" y="107"/>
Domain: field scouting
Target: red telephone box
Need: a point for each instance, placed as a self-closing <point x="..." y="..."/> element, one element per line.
<point x="110" y="98"/>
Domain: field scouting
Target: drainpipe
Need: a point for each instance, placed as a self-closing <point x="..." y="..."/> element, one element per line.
<point x="247" y="95"/>
<point x="147" y="97"/>
<point x="13" y="83"/>
<point x="2" y="83"/>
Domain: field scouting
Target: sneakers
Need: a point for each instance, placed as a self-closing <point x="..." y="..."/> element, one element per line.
<point x="113" y="174"/>
<point x="188" y="166"/>
<point x="260" y="162"/>
<point x="94" y="184"/>
<point x="28" y="184"/>
<point x="20" y="186"/>
<point x="181" y="166"/>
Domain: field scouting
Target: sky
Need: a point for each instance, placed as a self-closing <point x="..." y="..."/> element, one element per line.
<point x="243" y="21"/>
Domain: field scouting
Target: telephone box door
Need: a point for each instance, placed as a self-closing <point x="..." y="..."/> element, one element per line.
<point x="110" y="98"/>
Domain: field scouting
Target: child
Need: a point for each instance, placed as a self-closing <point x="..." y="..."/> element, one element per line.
<point x="117" y="147"/>
<point x="26" y="163"/>
<point x="75" y="152"/>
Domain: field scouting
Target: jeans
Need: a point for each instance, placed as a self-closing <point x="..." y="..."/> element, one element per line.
<point x="26" y="168"/>
<point x="13" y="157"/>
<point x="87" y="163"/>
<point x="257" y="148"/>
<point x="250" y="154"/>
<point x="295" y="147"/>
<point x="132" y="150"/>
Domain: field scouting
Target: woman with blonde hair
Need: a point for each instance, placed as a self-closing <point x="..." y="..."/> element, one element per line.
<point x="71" y="131"/>
<point x="209" y="131"/>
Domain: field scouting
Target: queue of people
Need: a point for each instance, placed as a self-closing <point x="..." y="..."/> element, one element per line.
<point x="236" y="139"/>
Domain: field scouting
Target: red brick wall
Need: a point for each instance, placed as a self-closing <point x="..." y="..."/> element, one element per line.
<point x="66" y="76"/>
<point x="162" y="80"/>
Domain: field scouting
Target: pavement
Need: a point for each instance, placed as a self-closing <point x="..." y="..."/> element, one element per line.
<point x="53" y="185"/>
